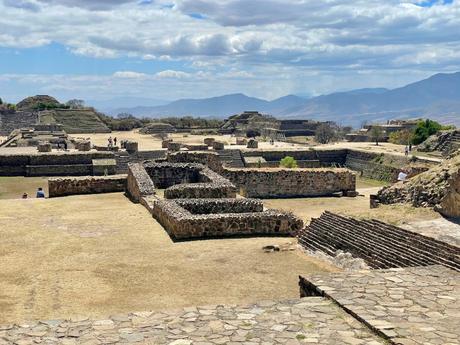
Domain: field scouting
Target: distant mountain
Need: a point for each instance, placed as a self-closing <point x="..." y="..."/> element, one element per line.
<point x="116" y="105"/>
<point x="437" y="97"/>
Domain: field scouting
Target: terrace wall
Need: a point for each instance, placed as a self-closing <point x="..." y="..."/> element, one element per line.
<point x="86" y="185"/>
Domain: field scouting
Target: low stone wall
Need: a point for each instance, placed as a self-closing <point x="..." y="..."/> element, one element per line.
<point x="86" y="185"/>
<point x="325" y="157"/>
<point x="182" y="224"/>
<point x="285" y="183"/>
<point x="208" y="206"/>
<point x="139" y="183"/>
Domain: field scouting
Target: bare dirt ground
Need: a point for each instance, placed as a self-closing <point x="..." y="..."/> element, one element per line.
<point x="98" y="255"/>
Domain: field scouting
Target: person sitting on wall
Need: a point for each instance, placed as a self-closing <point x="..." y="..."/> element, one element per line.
<point x="40" y="193"/>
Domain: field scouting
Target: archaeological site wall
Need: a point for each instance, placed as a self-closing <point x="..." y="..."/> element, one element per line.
<point x="86" y="185"/>
<point x="201" y="203"/>
<point x="50" y="164"/>
<point x="286" y="183"/>
<point x="276" y="183"/>
<point x="10" y="120"/>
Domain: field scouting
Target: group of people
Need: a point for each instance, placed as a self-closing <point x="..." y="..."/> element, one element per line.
<point x="112" y="142"/>
<point x="40" y="194"/>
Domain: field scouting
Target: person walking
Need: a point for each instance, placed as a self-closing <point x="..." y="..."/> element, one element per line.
<point x="406" y="150"/>
<point x="115" y="141"/>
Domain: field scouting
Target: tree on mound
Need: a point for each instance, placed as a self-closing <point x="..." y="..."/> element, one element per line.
<point x="40" y="102"/>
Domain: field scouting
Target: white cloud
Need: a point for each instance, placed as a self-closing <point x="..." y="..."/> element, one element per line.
<point x="277" y="41"/>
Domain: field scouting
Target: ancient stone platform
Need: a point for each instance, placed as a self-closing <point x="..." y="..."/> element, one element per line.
<point x="312" y="320"/>
<point x="417" y="305"/>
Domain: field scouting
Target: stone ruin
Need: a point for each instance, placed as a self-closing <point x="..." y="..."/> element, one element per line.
<point x="199" y="203"/>
<point x="252" y="144"/>
<point x="379" y="244"/>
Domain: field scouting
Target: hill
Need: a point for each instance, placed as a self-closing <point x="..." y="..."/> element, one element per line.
<point x="437" y="97"/>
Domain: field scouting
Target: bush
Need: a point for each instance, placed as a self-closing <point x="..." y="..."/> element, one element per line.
<point x="424" y="129"/>
<point x="252" y="133"/>
<point x="288" y="162"/>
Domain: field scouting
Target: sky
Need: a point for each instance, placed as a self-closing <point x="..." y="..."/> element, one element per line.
<point x="171" y="49"/>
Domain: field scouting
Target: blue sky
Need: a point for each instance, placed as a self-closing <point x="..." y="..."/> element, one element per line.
<point x="170" y="49"/>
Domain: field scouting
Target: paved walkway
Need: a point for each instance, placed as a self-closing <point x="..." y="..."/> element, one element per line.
<point x="418" y="305"/>
<point x="312" y="320"/>
<point x="441" y="229"/>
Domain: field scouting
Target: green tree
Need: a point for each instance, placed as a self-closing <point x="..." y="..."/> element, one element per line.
<point x="376" y="134"/>
<point x="288" y="162"/>
<point x="424" y="129"/>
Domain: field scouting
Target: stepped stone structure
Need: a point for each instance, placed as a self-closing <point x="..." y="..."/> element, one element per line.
<point x="380" y="245"/>
<point x="157" y="127"/>
<point x="446" y="142"/>
<point x="11" y="120"/>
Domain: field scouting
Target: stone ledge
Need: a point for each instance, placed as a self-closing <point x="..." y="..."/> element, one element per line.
<point x="86" y="185"/>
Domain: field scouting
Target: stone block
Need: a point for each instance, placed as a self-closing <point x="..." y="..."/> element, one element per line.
<point x="165" y="143"/>
<point x="131" y="146"/>
<point x="174" y="146"/>
<point x="241" y="141"/>
<point x="217" y="145"/>
<point x="44" y="147"/>
<point x="209" y="141"/>
<point x="84" y="145"/>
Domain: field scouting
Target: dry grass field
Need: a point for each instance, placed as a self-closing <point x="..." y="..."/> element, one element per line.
<point x="98" y="255"/>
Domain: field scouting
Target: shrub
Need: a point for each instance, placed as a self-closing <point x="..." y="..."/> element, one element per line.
<point x="288" y="162"/>
<point x="252" y="133"/>
<point x="424" y="129"/>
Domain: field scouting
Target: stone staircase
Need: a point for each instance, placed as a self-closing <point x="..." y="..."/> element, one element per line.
<point x="379" y="244"/>
<point x="449" y="143"/>
<point x="231" y="158"/>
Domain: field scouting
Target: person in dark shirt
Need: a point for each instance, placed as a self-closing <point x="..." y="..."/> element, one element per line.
<point x="40" y="193"/>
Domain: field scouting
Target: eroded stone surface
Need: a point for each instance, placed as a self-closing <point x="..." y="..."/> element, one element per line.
<point x="303" y="321"/>
<point x="418" y="305"/>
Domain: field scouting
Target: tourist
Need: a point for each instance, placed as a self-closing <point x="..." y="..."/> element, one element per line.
<point x="406" y="150"/>
<point x="110" y="141"/>
<point x="40" y="193"/>
<point x="115" y="141"/>
<point x="65" y="145"/>
<point x="410" y="147"/>
<point x="24" y="195"/>
<point x="402" y="176"/>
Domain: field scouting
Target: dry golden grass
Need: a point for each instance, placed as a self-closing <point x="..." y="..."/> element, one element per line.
<point x="14" y="187"/>
<point x="97" y="255"/>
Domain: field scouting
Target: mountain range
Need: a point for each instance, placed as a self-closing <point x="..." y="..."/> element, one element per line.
<point x="437" y="97"/>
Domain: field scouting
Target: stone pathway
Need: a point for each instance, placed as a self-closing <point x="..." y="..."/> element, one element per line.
<point x="441" y="229"/>
<point x="313" y="320"/>
<point x="417" y="305"/>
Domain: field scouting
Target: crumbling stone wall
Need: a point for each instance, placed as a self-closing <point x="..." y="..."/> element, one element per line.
<point x="438" y="187"/>
<point x="86" y="185"/>
<point x="209" y="206"/>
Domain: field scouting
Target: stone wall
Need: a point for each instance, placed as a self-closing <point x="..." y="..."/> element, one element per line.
<point x="181" y="224"/>
<point x="285" y="183"/>
<point x="139" y="183"/>
<point x="86" y="185"/>
<point x="50" y="164"/>
<point x="209" y="206"/>
<point x="384" y="167"/>
<point x="325" y="157"/>
<point x="10" y="120"/>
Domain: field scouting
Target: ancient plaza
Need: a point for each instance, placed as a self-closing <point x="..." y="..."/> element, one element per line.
<point x="194" y="240"/>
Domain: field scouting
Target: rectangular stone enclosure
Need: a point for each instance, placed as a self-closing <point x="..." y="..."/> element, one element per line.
<point x="199" y="203"/>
